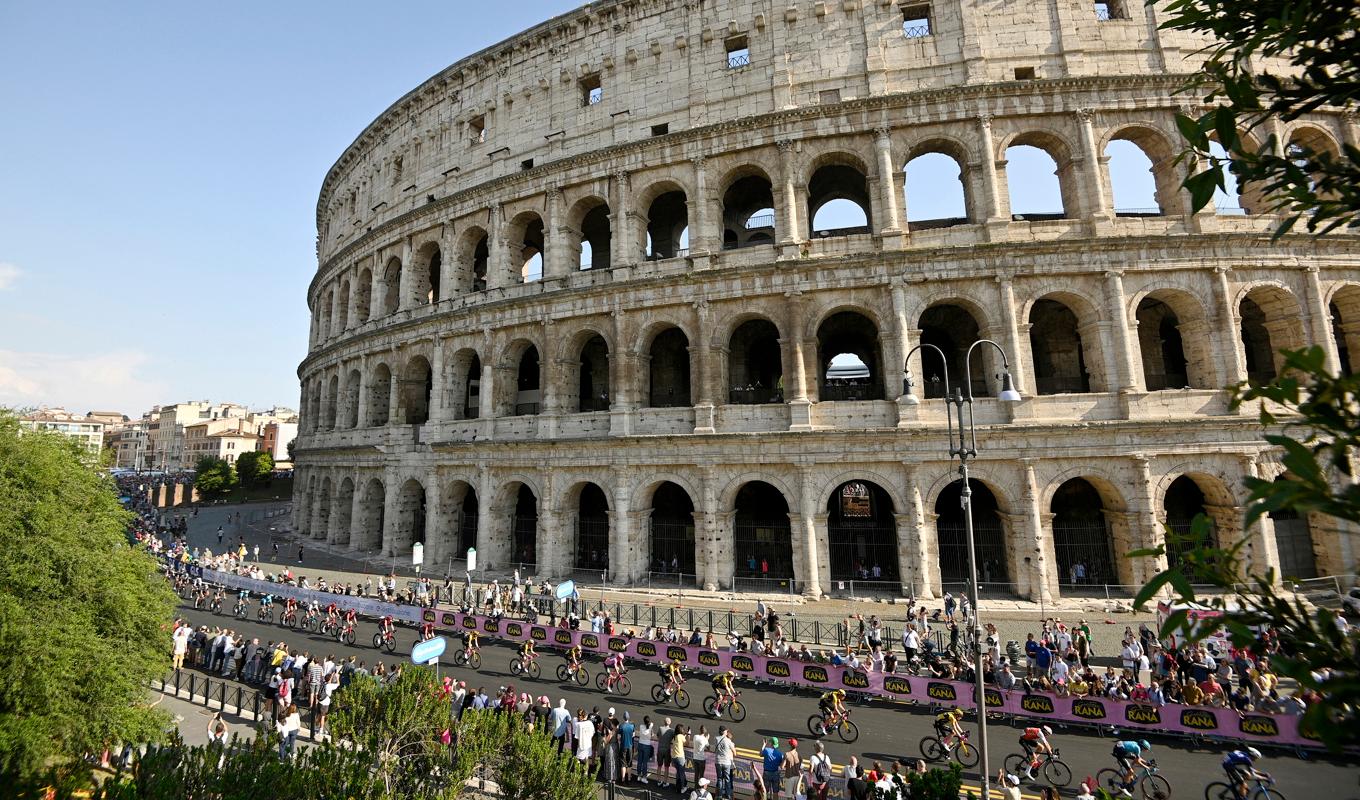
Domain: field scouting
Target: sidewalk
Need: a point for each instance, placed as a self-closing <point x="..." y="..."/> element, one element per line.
<point x="1013" y="617"/>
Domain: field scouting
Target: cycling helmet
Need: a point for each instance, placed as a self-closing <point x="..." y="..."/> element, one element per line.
<point x="1144" y="744"/>
<point x="1253" y="752"/>
<point x="731" y="673"/>
<point x="1048" y="731"/>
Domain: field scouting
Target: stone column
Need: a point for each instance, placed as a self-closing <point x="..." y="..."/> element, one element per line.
<point x="708" y="536"/>
<point x="1124" y="539"/>
<point x="1124" y="378"/>
<point x="805" y="533"/>
<point x="1233" y="360"/>
<point x="448" y="269"/>
<point x="1262" y="551"/>
<point x="1017" y="349"/>
<point x="916" y="551"/>
<point x="488" y="552"/>
<point x="800" y="408"/>
<point x="498" y="259"/>
<point x="356" y="513"/>
<point x="439" y="393"/>
<point x="437" y="534"/>
<point x="404" y="284"/>
<point x="786" y="221"/>
<point x="700" y="230"/>
<point x="895" y="370"/>
<point x="724" y="562"/>
<point x="623" y="239"/>
<point x="623" y="544"/>
<point x="997" y="218"/>
<point x="622" y="391"/>
<point x="703" y="369"/>
<point x="1039" y="544"/>
<point x="1319" y="318"/>
<point x="1098" y="209"/>
<point x="890" y="221"/>
<point x="1148" y="530"/>
<point x="352" y="310"/>
<point x="391" y="515"/>
<point x="557" y="254"/>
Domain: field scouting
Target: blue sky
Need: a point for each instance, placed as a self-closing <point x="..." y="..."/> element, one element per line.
<point x="159" y="181"/>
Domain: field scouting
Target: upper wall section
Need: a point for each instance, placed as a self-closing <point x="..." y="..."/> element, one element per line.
<point x="619" y="71"/>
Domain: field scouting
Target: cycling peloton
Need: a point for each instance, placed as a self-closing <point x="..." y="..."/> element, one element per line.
<point x="1035" y="741"/>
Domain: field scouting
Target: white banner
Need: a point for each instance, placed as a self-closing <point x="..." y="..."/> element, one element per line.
<point x="367" y="606"/>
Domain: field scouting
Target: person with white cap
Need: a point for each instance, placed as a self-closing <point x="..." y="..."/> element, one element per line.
<point x="1010" y="785"/>
<point x="701" y="791"/>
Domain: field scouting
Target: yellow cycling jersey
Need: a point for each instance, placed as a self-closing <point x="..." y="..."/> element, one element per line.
<point x="833" y="695"/>
<point x="949" y="717"/>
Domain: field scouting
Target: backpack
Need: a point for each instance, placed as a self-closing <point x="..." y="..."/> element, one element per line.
<point x="821" y="771"/>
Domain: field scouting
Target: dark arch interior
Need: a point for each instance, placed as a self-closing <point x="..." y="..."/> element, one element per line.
<point x="763" y="540"/>
<point x="672" y="529"/>
<point x="1159" y="343"/>
<point x="1260" y="353"/>
<point x="524" y="528"/>
<point x="1059" y="363"/>
<point x="595" y="232"/>
<point x="472" y="396"/>
<point x="392" y="286"/>
<point x="412" y="515"/>
<point x="432" y="272"/>
<point x="1343" y="350"/>
<point x="1082" y="542"/>
<point x="668" y="378"/>
<point x="594" y="375"/>
<point x="526" y="382"/>
<point x="837" y="182"/>
<point x="1294" y="542"/>
<point x="467" y="521"/>
<point x="481" y="254"/>
<point x="845" y="334"/>
<point x="748" y="213"/>
<point x="755" y="364"/>
<point x="862" y="533"/>
<point x="667" y="219"/>
<point x="418" y="387"/>
<point x="592" y="529"/>
<point x="988" y="534"/>
<point x="1184" y="500"/>
<point x="380" y="396"/>
<point x="952" y="329"/>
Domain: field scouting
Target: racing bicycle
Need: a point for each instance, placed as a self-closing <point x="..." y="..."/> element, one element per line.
<point x="962" y="750"/>
<point x="1054" y="769"/>
<point x="730" y="705"/>
<point x="1145" y="779"/>
<point x="819" y="725"/>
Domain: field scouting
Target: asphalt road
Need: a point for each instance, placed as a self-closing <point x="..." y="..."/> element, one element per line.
<point x="886" y="730"/>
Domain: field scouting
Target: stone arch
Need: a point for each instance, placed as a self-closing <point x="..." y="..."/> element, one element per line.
<point x="521" y="392"/>
<point x="1344" y="309"/>
<point x="952" y="326"/>
<point x="473" y="252"/>
<point x="755" y="367"/>
<point x="1181" y="496"/>
<point x="862" y="532"/>
<point x="1055" y="149"/>
<point x="1310" y="140"/>
<point x="409" y="516"/>
<point x="368" y="530"/>
<point x="324" y="315"/>
<point x="521" y="502"/>
<point x="838" y="177"/>
<point x="342" y="307"/>
<point x="329" y="409"/>
<point x="424" y="279"/>
<point x="1294" y="541"/>
<point x="989" y="535"/>
<point x="1151" y="144"/>
<point x="462" y="507"/>
<point x="380" y="396"/>
<point x="586" y="383"/>
<point x="465" y="381"/>
<point x="762" y="536"/>
<point x="849" y="357"/>
<point x="341" y="522"/>
<point x="1271" y="321"/>
<point x="363" y="297"/>
<point x="1174" y="342"/>
<point x="525" y="238"/>
<point x="354" y="383"/>
<point x="587" y="505"/>
<point x="942" y="171"/>
<point x="671" y="540"/>
<point x="666" y="362"/>
<point x="591" y="236"/>
<point x="391" y="287"/>
<point x="1064" y="340"/>
<point x="1083" y="535"/>
<point x="322" y="513"/>
<point x="417" y="391"/>
<point x="666" y="224"/>
<point x="748" y="208"/>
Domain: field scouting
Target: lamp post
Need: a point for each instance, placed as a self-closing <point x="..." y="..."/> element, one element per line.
<point x="964" y="446"/>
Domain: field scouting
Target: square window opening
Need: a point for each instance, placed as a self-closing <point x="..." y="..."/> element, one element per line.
<point x="1024" y="73"/>
<point x="829" y="97"/>
<point x="738" y="52"/>
<point x="1110" y="9"/>
<point x="662" y="129"/>
<point x="527" y="163"/>
<point x="592" y="91"/>
<point x="916" y="20"/>
<point x="477" y="129"/>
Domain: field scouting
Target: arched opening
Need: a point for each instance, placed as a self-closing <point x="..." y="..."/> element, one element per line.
<point x="363" y="297"/>
<point x="481" y="255"/>
<point x="466" y="399"/>
<point x="1133" y="185"/>
<point x="322" y="527"/>
<point x="1294" y="543"/>
<point x="672" y="531"/>
<point x="755" y="370"/>
<point x="1034" y="179"/>
<point x="524" y="528"/>
<point x="391" y="286"/>
<point x="525" y="237"/>
<point x="332" y="402"/>
<point x="838" y="201"/>
<point x="748" y="212"/>
<point x="350" y="405"/>
<point x="1173" y="342"/>
<point x="380" y="396"/>
<point x="1234" y="199"/>
<point x="595" y="237"/>
<point x="668" y="226"/>
<point x="467" y="522"/>
<point x="1184" y="501"/>
<point x="593" y="375"/>
<point x="762" y="543"/>
<point x="372" y="517"/>
<point x="989" y="536"/>
<point x="342" y="517"/>
<point x="527" y="391"/>
<point x="862" y="533"/>
<point x="850" y="356"/>
<point x="1055" y="342"/>
<point x="592" y="529"/>
<point x="410" y="511"/>
<point x="1271" y="322"/>
<point x="935" y="192"/>
<point x="1082" y="540"/>
<point x="952" y="329"/>
<point x="668" y="370"/>
<point x="1345" y="313"/>
<point x="425" y="277"/>
<point x="417" y="388"/>
<point x="342" y="308"/>
<point x="433" y="268"/>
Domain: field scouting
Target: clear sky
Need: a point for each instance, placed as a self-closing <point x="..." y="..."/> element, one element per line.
<point x="160" y="169"/>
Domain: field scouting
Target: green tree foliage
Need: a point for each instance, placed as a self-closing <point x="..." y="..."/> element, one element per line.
<point x="214" y="477"/>
<point x="84" y="616"/>
<point x="1316" y="42"/>
<point x="255" y="468"/>
<point x="523" y="761"/>
<point x="1315" y="421"/>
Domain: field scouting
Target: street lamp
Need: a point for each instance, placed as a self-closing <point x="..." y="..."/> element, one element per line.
<point x="964" y="447"/>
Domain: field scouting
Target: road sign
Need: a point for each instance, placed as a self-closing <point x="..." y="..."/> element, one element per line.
<point x="472" y="559"/>
<point x="565" y="589"/>
<point x="428" y="650"/>
<point x="417" y="554"/>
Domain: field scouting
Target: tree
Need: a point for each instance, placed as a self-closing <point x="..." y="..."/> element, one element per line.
<point x="1316" y="41"/>
<point x="1316" y="425"/>
<point x="214" y="477"/>
<point x="254" y="468"/>
<point x="523" y="761"/>
<point x="84" y="616"/>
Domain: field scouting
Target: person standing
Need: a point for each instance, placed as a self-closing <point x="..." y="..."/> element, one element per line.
<point x="663" y="747"/>
<point x="626" y="745"/>
<point x="819" y="774"/>
<point x="678" y="741"/>
<point x="698" y="745"/>
<point x="771" y="762"/>
<point x="219" y="537"/>
<point x="646" y="733"/>
<point x="724" y="752"/>
<point x="793" y="771"/>
<point x="583" y="731"/>
<point x="299" y="554"/>
<point x="288" y="724"/>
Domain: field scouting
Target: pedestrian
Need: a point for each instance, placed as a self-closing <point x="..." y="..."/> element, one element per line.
<point x="626" y="745"/>
<point x="257" y="554"/>
<point x="698" y="745"/>
<point x="219" y="537"/>
<point x="299" y="554"/>
<point x="724" y="751"/>
<point x="701" y="791"/>
<point x="646" y="741"/>
<point x="559" y="722"/>
<point x="276" y="550"/>
<point x="772" y="761"/>
<point x="328" y="689"/>
<point x="288" y="724"/>
<point x="583" y="731"/>
<point x="793" y="771"/>
<point x="819" y="774"/>
<point x="663" y="746"/>
<point x="678" y="741"/>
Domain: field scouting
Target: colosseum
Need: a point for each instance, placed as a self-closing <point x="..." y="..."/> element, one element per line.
<point x="579" y="306"/>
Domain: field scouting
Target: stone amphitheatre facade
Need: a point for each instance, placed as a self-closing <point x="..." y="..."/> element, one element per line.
<point x="574" y="306"/>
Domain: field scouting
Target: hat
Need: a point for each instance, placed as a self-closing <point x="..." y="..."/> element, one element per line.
<point x="1012" y="780"/>
<point x="703" y="782"/>
<point x="611" y="711"/>
<point x="793" y="743"/>
<point x="774" y="741"/>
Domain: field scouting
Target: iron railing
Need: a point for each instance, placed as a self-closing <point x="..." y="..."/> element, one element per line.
<point x="754" y="396"/>
<point x="850" y="231"/>
<point x="915" y="31"/>
<point x="760" y="221"/>
<point x="738" y="60"/>
<point x="525" y="409"/>
<point x="850" y="391"/>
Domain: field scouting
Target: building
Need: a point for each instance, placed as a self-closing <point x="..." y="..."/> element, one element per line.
<point x="275" y="437"/>
<point x="88" y="431"/>
<point x="166" y="434"/>
<point x="576" y="304"/>
<point x="129" y="445"/>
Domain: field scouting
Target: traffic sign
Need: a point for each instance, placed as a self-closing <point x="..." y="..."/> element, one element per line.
<point x="472" y="559"/>
<point x="417" y="554"/>
<point x="565" y="589"/>
<point x="428" y="650"/>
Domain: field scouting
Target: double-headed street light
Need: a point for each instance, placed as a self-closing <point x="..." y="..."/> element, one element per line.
<point x="964" y="446"/>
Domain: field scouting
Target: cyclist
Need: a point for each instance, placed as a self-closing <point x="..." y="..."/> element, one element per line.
<point x="426" y="631"/>
<point x="573" y="656"/>
<point x="351" y="618"/>
<point x="1035" y="741"/>
<point x="289" y="607"/>
<point x="469" y="643"/>
<point x="527" y="653"/>
<point x="1129" y="754"/>
<point x="242" y="599"/>
<point x="615" y="668"/>
<point x="1239" y="765"/>
<point x="947" y="727"/>
<point x="313" y="610"/>
<point x="386" y="628"/>
<point x="674" y="679"/>
<point x="831" y="705"/>
<point x="722" y="687"/>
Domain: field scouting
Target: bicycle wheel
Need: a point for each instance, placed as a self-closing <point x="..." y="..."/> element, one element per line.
<point x="349" y="637"/>
<point x="738" y="712"/>
<point x="562" y="672"/>
<point x="377" y="640"/>
<point x="390" y="642"/>
<point x="814" y="724"/>
<point x="1057" y="772"/>
<point x="681" y="698"/>
<point x="1267" y="793"/>
<point x="459" y="658"/>
<point x="534" y="670"/>
<point x="582" y="677"/>
<point x="1015" y="763"/>
<point x="931" y="749"/>
<point x="658" y="693"/>
<point x="622" y="686"/>
<point x="1155" y="787"/>
<point x="1111" y="780"/>
<point x="1218" y="790"/>
<point x="708" y="704"/>
<point x="515" y="666"/>
<point x="599" y="681"/>
<point x="475" y="660"/>
<point x="847" y="730"/>
<point x="967" y="754"/>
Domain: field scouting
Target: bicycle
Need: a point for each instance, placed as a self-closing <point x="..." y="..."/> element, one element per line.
<point x="1149" y="784"/>
<point x="215" y="606"/>
<point x="385" y="640"/>
<point x="345" y="633"/>
<point x="569" y="672"/>
<point x="1265" y="790"/>
<point x="265" y="614"/>
<point x="240" y="611"/>
<point x="1055" y="770"/>
<point x="620" y="684"/>
<point x="679" y="696"/>
<point x="289" y="618"/>
<point x="471" y="658"/>
<point x="530" y="668"/>
<point x="819" y="725"/>
<point x="329" y="626"/>
<point x="963" y="751"/>
<point x="732" y="706"/>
